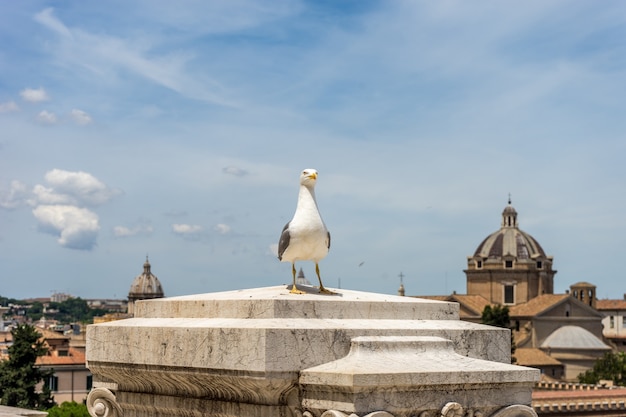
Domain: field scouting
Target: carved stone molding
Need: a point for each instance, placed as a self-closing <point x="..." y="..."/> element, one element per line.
<point x="517" y="410"/>
<point x="101" y="402"/>
<point x="335" y="413"/>
<point x="451" y="409"/>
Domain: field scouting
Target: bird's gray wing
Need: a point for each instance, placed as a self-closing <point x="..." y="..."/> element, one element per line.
<point x="283" y="242"/>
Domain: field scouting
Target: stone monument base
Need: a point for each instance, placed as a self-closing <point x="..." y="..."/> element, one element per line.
<point x="265" y="353"/>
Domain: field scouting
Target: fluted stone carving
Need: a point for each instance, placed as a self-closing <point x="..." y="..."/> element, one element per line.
<point x="516" y="410"/>
<point x="451" y="409"/>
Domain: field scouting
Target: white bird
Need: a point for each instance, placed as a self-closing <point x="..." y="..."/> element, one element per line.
<point x="305" y="237"/>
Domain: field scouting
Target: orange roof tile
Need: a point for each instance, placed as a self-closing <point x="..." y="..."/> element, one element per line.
<point x="50" y="334"/>
<point x="610" y="304"/>
<point x="74" y="357"/>
<point x="476" y="303"/>
<point x="473" y="303"/>
<point x="534" y="357"/>
<point x="536" y="305"/>
<point x="433" y="297"/>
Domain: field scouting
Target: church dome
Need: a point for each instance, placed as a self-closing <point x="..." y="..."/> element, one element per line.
<point x="145" y="285"/>
<point x="509" y="241"/>
<point x="573" y="337"/>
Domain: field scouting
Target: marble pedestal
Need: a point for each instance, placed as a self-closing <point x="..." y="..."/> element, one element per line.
<point x="265" y="352"/>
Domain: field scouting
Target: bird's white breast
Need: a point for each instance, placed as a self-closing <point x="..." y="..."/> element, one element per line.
<point x="308" y="236"/>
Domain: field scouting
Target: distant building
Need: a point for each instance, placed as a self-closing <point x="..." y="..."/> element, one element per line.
<point x="301" y="279"/>
<point x="111" y="305"/>
<point x="146" y="286"/>
<point x="614" y="321"/>
<point x="560" y="334"/>
<point x="509" y="266"/>
<point x="59" y="297"/>
<point x="71" y="380"/>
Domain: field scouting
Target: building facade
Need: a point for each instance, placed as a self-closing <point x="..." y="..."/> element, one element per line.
<point x="509" y="266"/>
<point x="614" y="321"/>
<point x="560" y="334"/>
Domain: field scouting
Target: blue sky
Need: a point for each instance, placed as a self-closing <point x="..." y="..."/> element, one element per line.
<point x="178" y="130"/>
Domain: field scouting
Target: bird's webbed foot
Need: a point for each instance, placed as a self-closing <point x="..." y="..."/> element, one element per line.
<point x="324" y="290"/>
<point x="295" y="290"/>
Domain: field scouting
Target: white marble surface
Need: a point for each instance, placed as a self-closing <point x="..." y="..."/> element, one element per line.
<point x="262" y="345"/>
<point x="277" y="302"/>
<point x="379" y="361"/>
<point x="409" y="375"/>
<point x="241" y="353"/>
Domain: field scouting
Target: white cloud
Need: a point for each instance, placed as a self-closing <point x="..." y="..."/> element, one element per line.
<point x="122" y="231"/>
<point x="80" y="117"/>
<point x="16" y="196"/>
<point x="79" y="187"/>
<point x="76" y="228"/>
<point x="235" y="171"/>
<point x="58" y="206"/>
<point x="45" y="195"/>
<point x="273" y="249"/>
<point x="47" y="117"/>
<point x="9" y="106"/>
<point x="34" y="95"/>
<point x="222" y="228"/>
<point x="186" y="229"/>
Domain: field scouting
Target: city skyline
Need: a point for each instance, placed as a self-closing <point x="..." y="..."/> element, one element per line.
<point x="179" y="132"/>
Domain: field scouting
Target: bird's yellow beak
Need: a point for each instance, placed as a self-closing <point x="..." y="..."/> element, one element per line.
<point x="313" y="176"/>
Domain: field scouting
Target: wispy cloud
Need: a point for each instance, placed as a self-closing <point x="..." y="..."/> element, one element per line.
<point x="139" y="230"/>
<point x="235" y="171"/>
<point x="101" y="53"/>
<point x="9" y="106"/>
<point x="186" y="229"/>
<point x="34" y="95"/>
<point x="222" y="229"/>
<point x="80" y="117"/>
<point x="46" y="117"/>
<point x="17" y="195"/>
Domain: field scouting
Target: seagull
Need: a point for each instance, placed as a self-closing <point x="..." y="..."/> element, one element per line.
<point x="305" y="237"/>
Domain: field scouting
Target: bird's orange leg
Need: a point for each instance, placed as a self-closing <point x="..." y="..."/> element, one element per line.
<point x="322" y="289"/>
<point x="294" y="289"/>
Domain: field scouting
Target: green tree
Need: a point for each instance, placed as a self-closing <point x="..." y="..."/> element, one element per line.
<point x="498" y="316"/>
<point x="68" y="409"/>
<point x="612" y="367"/>
<point x="35" y="311"/>
<point x="73" y="310"/>
<point x="18" y="374"/>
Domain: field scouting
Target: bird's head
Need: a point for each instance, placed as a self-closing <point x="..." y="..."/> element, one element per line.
<point x="308" y="177"/>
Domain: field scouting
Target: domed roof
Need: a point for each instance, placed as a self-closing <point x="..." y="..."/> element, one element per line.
<point x="509" y="240"/>
<point x="573" y="337"/>
<point x="146" y="285"/>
